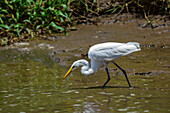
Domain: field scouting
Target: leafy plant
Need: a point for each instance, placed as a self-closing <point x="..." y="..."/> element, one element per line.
<point x="21" y="17"/>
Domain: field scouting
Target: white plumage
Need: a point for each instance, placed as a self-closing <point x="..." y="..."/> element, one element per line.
<point x="101" y="54"/>
<point x="111" y="50"/>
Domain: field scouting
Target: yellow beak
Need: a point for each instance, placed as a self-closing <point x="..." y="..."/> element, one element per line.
<point x="69" y="71"/>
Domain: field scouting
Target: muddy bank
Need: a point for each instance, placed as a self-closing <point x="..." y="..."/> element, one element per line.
<point x="156" y="21"/>
<point x="64" y="49"/>
<point x="148" y="14"/>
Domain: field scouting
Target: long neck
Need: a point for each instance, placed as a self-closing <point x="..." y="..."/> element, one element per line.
<point x="85" y="70"/>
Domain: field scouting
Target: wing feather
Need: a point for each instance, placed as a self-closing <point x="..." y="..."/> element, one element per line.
<point x="112" y="50"/>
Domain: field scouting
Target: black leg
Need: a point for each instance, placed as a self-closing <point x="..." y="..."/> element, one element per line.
<point x="108" y="79"/>
<point x="124" y="72"/>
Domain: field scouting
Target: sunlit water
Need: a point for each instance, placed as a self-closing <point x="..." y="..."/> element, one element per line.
<point x="33" y="82"/>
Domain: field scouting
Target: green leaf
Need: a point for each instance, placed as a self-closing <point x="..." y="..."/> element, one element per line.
<point x="16" y="26"/>
<point x="5" y="26"/>
<point x="28" y="30"/>
<point x="43" y="14"/>
<point x="64" y="15"/>
<point x="28" y="21"/>
<point x="4" y="11"/>
<point x="1" y="21"/>
<point x="18" y="32"/>
<point x="61" y="19"/>
<point x="61" y="13"/>
<point x="17" y="14"/>
<point x="37" y="27"/>
<point x="68" y="17"/>
<point x="64" y="6"/>
<point x="56" y="26"/>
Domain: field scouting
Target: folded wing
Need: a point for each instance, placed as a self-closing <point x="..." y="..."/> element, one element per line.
<point x="112" y="50"/>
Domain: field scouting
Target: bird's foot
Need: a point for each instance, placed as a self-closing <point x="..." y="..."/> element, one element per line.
<point x="103" y="86"/>
<point x="130" y="87"/>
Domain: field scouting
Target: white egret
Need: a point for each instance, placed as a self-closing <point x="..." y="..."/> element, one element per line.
<point x="101" y="54"/>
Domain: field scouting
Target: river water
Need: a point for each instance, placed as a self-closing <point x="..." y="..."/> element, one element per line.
<point x="31" y="76"/>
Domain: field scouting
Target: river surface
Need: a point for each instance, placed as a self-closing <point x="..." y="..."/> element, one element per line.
<point x="31" y="76"/>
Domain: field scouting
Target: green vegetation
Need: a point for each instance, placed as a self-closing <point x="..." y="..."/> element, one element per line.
<point x="24" y="19"/>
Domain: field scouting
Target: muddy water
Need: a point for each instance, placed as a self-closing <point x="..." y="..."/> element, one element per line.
<point x="31" y="77"/>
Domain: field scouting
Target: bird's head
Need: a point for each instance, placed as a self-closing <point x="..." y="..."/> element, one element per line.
<point x="75" y="65"/>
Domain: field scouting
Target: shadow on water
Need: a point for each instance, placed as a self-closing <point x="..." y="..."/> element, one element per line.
<point x="106" y="87"/>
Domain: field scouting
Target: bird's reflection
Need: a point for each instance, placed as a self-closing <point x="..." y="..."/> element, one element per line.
<point x="106" y="87"/>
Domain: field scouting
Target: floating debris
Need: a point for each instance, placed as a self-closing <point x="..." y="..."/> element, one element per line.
<point x="143" y="73"/>
<point x="22" y="44"/>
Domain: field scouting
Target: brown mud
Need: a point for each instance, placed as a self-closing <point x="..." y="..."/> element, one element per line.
<point x="64" y="50"/>
<point x="156" y="21"/>
<point x="148" y="14"/>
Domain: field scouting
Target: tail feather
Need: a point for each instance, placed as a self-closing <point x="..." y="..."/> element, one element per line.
<point x="136" y="44"/>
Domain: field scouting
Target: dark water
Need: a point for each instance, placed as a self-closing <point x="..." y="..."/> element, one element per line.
<point x="31" y="78"/>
